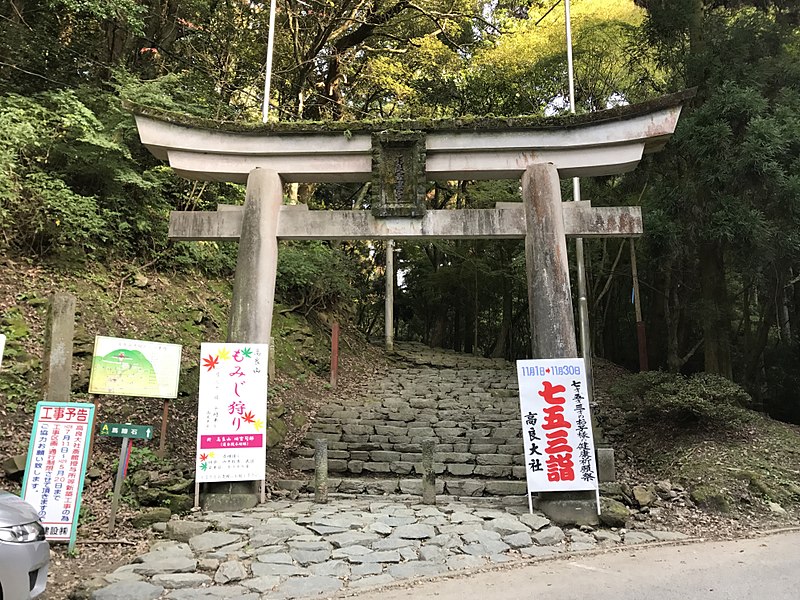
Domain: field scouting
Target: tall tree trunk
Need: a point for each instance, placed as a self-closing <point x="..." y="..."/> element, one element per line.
<point x="502" y="345"/>
<point x="716" y="311"/>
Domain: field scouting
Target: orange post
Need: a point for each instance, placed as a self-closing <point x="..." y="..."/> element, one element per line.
<point x="334" y="354"/>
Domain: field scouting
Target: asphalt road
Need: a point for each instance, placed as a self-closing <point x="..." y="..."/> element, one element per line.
<point x="765" y="568"/>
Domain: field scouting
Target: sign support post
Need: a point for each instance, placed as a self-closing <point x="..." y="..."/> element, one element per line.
<point x="126" y="431"/>
<point x="123" y="455"/>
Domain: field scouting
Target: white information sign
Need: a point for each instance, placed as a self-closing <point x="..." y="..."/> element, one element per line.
<point x="2" y="347"/>
<point x="232" y="412"/>
<point x="556" y="425"/>
<point x="56" y="466"/>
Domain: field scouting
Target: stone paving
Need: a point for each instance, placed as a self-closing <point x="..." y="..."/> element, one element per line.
<point x="299" y="549"/>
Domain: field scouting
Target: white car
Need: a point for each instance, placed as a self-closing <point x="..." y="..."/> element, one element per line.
<point x="24" y="552"/>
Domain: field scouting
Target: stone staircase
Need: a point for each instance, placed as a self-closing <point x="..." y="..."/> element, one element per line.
<point x="468" y="405"/>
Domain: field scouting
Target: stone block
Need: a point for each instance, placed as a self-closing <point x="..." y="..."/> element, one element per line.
<point x="302" y="464"/>
<point x="483" y="448"/>
<point x="414" y="487"/>
<point x="384" y="456"/>
<point x="460" y="470"/>
<point x="390" y="430"/>
<point x="493" y="471"/>
<point x="606" y="465"/>
<point x="401" y="468"/>
<point x="494" y="459"/>
<point x="374" y="467"/>
<point x="465" y="487"/>
<point x="337" y="466"/>
<point x="355" y="466"/>
<point x="507" y="488"/>
<point x="357" y="429"/>
<point x="456" y="457"/>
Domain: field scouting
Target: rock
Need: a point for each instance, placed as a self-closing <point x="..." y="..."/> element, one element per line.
<point x="276" y="558"/>
<point x="644" y="495"/>
<point x="374" y="580"/>
<point x="638" y="537"/>
<point x="85" y="588"/>
<point x="177" y="581"/>
<point x="268" y="570"/>
<point x="14" y="466"/>
<point x="230" y="570"/>
<point x="520" y="539"/>
<point x="417" y="531"/>
<point x="416" y="568"/>
<point x="663" y="489"/>
<point x="183" y="531"/>
<point x="301" y="587"/>
<point x="613" y="513"/>
<point x="216" y="591"/>
<point x="506" y="526"/>
<point x="353" y="538"/>
<point x="460" y="562"/>
<point x="306" y="553"/>
<point x="549" y="536"/>
<point x="331" y="568"/>
<point x="212" y="540"/>
<point x="534" y="521"/>
<point x="128" y="590"/>
<point x="776" y="509"/>
<point x="175" y="564"/>
<point x="262" y="584"/>
<point x="384" y="556"/>
<point x="148" y="516"/>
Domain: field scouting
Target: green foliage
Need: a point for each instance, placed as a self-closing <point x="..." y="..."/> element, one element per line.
<point x="313" y="275"/>
<point x="702" y="400"/>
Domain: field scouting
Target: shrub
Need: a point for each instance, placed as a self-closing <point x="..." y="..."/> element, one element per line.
<point x="702" y="400"/>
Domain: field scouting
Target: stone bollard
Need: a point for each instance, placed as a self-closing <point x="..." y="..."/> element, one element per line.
<point x="321" y="471"/>
<point x="428" y="475"/>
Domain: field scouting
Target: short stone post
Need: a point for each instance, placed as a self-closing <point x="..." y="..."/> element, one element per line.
<point x="428" y="474"/>
<point x="57" y="363"/>
<point x="321" y="471"/>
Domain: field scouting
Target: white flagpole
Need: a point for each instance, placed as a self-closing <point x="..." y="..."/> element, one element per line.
<point x="270" y="48"/>
<point x="583" y="305"/>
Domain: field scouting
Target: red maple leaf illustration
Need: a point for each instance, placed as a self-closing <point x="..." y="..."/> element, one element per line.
<point x="203" y="457"/>
<point x="210" y="362"/>
<point x="249" y="417"/>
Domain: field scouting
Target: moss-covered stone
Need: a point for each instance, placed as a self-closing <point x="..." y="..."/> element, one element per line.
<point x="148" y="516"/>
<point x="469" y="122"/>
<point x="613" y="513"/>
<point x="711" y="498"/>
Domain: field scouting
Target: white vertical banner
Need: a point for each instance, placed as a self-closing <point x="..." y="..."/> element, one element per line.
<point x="556" y="425"/>
<point x="2" y="347"/>
<point x="232" y="412"/>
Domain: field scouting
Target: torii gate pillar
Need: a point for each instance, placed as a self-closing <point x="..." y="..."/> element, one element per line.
<point x="250" y="318"/>
<point x="550" y="308"/>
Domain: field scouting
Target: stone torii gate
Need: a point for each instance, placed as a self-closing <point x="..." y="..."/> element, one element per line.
<point x="399" y="161"/>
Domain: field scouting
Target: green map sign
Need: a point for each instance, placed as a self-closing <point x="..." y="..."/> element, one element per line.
<point x="128" y="430"/>
<point x="122" y="367"/>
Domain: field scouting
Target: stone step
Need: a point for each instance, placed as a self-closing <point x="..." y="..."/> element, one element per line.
<point x="514" y="489"/>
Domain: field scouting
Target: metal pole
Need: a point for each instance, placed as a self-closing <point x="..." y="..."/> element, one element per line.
<point x="270" y="48"/>
<point x="641" y="337"/>
<point x="583" y="304"/>
<point x="388" y="312"/>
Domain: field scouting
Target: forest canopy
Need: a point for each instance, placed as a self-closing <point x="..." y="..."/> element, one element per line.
<point x="718" y="265"/>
